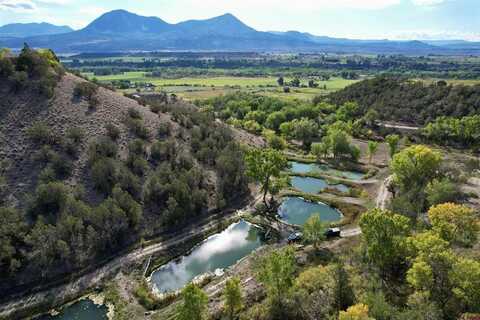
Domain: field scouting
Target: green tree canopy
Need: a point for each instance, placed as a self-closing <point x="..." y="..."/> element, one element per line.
<point x="384" y="234"/>
<point x="233" y="297"/>
<point x="314" y="230"/>
<point x="263" y="166"/>
<point x="194" y="305"/>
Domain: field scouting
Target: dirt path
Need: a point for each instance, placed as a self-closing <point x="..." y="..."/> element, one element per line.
<point x="384" y="195"/>
<point x="62" y="294"/>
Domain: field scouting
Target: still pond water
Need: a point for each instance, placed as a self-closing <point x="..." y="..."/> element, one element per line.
<point x="217" y="252"/>
<point x="296" y="210"/>
<point x="301" y="168"/>
<point x="315" y="185"/>
<point x="82" y="310"/>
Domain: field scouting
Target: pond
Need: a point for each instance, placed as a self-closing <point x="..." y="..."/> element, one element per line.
<point x="295" y="210"/>
<point x="302" y="168"/>
<point x="84" y="309"/>
<point x="315" y="185"/>
<point x="220" y="251"/>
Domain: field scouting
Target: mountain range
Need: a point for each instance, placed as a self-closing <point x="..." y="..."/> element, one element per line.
<point x="123" y="31"/>
<point x="22" y="30"/>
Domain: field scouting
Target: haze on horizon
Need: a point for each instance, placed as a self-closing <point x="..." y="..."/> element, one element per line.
<point x="361" y="19"/>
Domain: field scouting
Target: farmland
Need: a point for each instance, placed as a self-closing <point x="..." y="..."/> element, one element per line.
<point x="191" y="88"/>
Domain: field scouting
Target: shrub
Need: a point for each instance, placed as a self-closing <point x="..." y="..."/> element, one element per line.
<point x="61" y="166"/>
<point x="49" y="199"/>
<point x="85" y="90"/>
<point x="137" y="164"/>
<point x="104" y="174"/>
<point x="47" y="175"/>
<point x="76" y="134"/>
<point x="138" y="128"/>
<point x="137" y="147"/>
<point x="164" y="129"/>
<point x="6" y="67"/>
<point x="163" y="150"/>
<point x="134" y="113"/>
<point x="102" y="148"/>
<point x="41" y="133"/>
<point x="112" y="131"/>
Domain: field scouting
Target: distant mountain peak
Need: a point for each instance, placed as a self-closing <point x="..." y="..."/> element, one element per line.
<point x="20" y="30"/>
<point x="123" y="21"/>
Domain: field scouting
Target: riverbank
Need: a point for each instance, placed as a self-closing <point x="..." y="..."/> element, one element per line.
<point x="48" y="299"/>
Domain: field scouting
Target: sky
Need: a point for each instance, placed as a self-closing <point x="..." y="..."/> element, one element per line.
<point x="360" y="19"/>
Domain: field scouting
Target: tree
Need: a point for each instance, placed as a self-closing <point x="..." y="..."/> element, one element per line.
<point x="233" y="297"/>
<point x="13" y="229"/>
<point x="454" y="222"/>
<point x="295" y="82"/>
<point x="274" y="120"/>
<point x="314" y="230"/>
<point x="355" y="312"/>
<point x="442" y="191"/>
<point x="194" y="305"/>
<point x="466" y="279"/>
<point x="372" y="149"/>
<point x="432" y="266"/>
<point x="314" y="293"/>
<point x="392" y="141"/>
<point x="305" y="130"/>
<point x="413" y="168"/>
<point x="319" y="150"/>
<point x="280" y="81"/>
<point x="264" y="166"/>
<point x="276" y="272"/>
<point x="384" y="235"/>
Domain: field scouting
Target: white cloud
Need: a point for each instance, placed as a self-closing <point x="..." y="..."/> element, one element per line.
<point x="428" y="3"/>
<point x="17" y="5"/>
<point x="291" y="6"/>
<point x="434" y="35"/>
<point x="56" y="2"/>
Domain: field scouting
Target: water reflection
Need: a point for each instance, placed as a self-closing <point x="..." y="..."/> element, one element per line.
<point x="217" y="252"/>
<point x="296" y="210"/>
<point x="82" y="310"/>
<point x="302" y="168"/>
<point x="315" y="185"/>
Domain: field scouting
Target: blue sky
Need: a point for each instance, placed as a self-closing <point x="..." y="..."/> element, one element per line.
<point x="366" y="19"/>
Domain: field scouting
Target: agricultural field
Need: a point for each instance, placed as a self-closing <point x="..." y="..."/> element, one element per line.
<point x="192" y="88"/>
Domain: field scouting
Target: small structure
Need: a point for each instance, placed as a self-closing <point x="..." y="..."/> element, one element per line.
<point x="295" y="237"/>
<point x="332" y="232"/>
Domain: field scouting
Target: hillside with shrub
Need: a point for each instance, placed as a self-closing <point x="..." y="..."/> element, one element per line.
<point x="86" y="172"/>
<point x="414" y="102"/>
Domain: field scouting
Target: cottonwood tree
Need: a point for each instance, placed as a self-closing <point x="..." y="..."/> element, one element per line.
<point x="372" y="149"/>
<point x="314" y="230"/>
<point x="194" y="305"/>
<point x="277" y="273"/>
<point x="384" y="235"/>
<point x="264" y="166"/>
<point x="455" y="223"/>
<point x="392" y="140"/>
<point x="233" y="297"/>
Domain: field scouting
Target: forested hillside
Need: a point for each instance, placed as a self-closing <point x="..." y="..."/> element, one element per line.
<point x="87" y="172"/>
<point x="397" y="99"/>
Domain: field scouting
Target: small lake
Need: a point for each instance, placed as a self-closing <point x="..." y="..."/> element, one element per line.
<point x="301" y="168"/>
<point x="315" y="185"/>
<point x="296" y="210"/>
<point x="82" y="310"/>
<point x="220" y="251"/>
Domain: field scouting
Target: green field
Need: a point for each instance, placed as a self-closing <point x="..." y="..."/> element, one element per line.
<point x="192" y="88"/>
